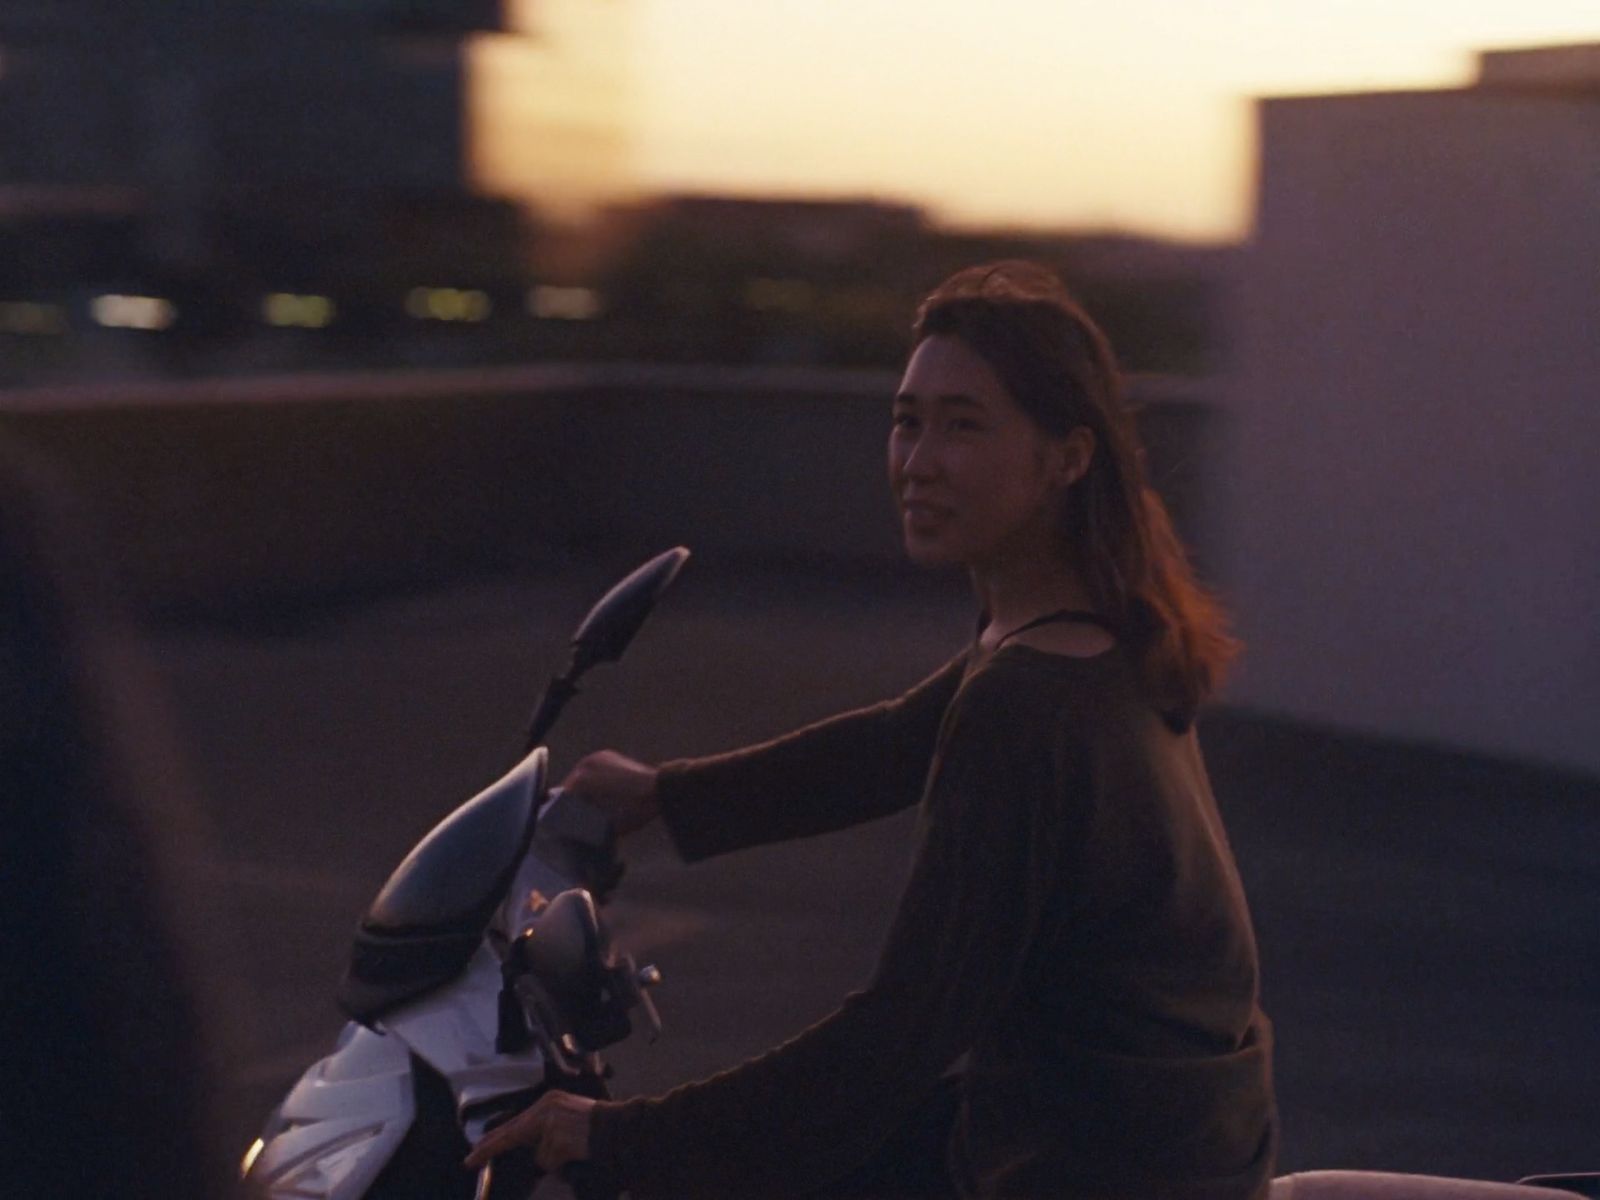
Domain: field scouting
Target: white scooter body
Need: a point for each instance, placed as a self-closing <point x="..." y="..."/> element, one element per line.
<point x="347" y="1115"/>
<point x="343" y="1121"/>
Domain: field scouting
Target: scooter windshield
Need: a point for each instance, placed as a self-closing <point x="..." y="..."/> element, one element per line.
<point x="460" y="868"/>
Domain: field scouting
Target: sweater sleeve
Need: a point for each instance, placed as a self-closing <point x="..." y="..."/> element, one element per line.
<point x="830" y="775"/>
<point x="811" y="1110"/>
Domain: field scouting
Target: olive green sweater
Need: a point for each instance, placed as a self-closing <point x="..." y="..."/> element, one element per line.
<point x="1073" y="923"/>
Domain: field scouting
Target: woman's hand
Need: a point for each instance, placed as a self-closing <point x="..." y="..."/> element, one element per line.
<point x="622" y="788"/>
<point x="557" y="1127"/>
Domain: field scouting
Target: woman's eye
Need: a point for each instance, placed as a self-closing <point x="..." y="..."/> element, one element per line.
<point x="965" y="425"/>
<point x="904" y="421"/>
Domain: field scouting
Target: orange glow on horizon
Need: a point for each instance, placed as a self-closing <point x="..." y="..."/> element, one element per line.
<point x="1020" y="112"/>
<point x="551" y="107"/>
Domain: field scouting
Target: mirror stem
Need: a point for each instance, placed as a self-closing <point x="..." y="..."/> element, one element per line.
<point x="561" y="689"/>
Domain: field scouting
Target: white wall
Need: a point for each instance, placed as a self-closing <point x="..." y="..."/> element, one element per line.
<point x="1413" y="495"/>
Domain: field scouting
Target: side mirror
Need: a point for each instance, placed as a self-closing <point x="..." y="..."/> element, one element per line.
<point x="617" y="616"/>
<point x="606" y="632"/>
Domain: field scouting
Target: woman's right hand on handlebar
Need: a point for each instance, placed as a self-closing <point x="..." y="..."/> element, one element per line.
<point x="621" y="787"/>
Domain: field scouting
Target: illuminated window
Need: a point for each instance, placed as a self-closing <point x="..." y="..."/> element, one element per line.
<point x="287" y="310"/>
<point x="564" y="303"/>
<point x="449" y="304"/>
<point x="116" y="311"/>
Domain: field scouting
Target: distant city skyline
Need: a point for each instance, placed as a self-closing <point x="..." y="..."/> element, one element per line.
<point x="1027" y="113"/>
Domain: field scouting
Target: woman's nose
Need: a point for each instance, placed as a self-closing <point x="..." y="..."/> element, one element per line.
<point x="920" y="460"/>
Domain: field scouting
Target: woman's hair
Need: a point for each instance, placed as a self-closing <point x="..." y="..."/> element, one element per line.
<point x="1059" y="368"/>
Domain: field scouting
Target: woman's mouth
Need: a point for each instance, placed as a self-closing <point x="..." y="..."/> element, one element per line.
<point x="919" y="514"/>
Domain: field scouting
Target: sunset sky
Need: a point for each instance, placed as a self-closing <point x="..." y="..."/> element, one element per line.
<point x="1132" y="115"/>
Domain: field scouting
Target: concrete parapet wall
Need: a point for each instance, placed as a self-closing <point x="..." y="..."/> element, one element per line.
<point x="1411" y="498"/>
<point x="255" y="494"/>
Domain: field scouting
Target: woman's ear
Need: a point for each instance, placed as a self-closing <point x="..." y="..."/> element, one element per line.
<point x="1073" y="455"/>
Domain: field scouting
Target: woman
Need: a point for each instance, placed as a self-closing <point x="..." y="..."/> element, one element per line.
<point x="1073" y="924"/>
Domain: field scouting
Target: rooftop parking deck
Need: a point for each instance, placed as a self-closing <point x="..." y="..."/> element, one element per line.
<point x="1427" y="919"/>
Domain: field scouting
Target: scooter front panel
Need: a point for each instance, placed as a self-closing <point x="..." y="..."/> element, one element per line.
<point x="340" y="1125"/>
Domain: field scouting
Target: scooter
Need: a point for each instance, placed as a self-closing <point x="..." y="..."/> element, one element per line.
<point x="479" y="978"/>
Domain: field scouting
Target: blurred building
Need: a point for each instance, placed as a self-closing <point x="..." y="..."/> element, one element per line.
<point x="699" y="278"/>
<point x="358" y="148"/>
<point x="1414" y="510"/>
<point x="837" y="281"/>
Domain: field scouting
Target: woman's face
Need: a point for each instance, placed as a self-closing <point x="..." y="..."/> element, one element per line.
<point x="976" y="481"/>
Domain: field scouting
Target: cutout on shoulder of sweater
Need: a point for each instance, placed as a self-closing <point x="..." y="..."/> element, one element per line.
<point x="1069" y="639"/>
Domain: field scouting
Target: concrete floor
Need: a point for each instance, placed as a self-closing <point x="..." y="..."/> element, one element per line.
<point x="1428" y="922"/>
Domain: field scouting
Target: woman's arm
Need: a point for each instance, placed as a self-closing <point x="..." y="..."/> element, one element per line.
<point x="814" y="1108"/>
<point x="836" y="773"/>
